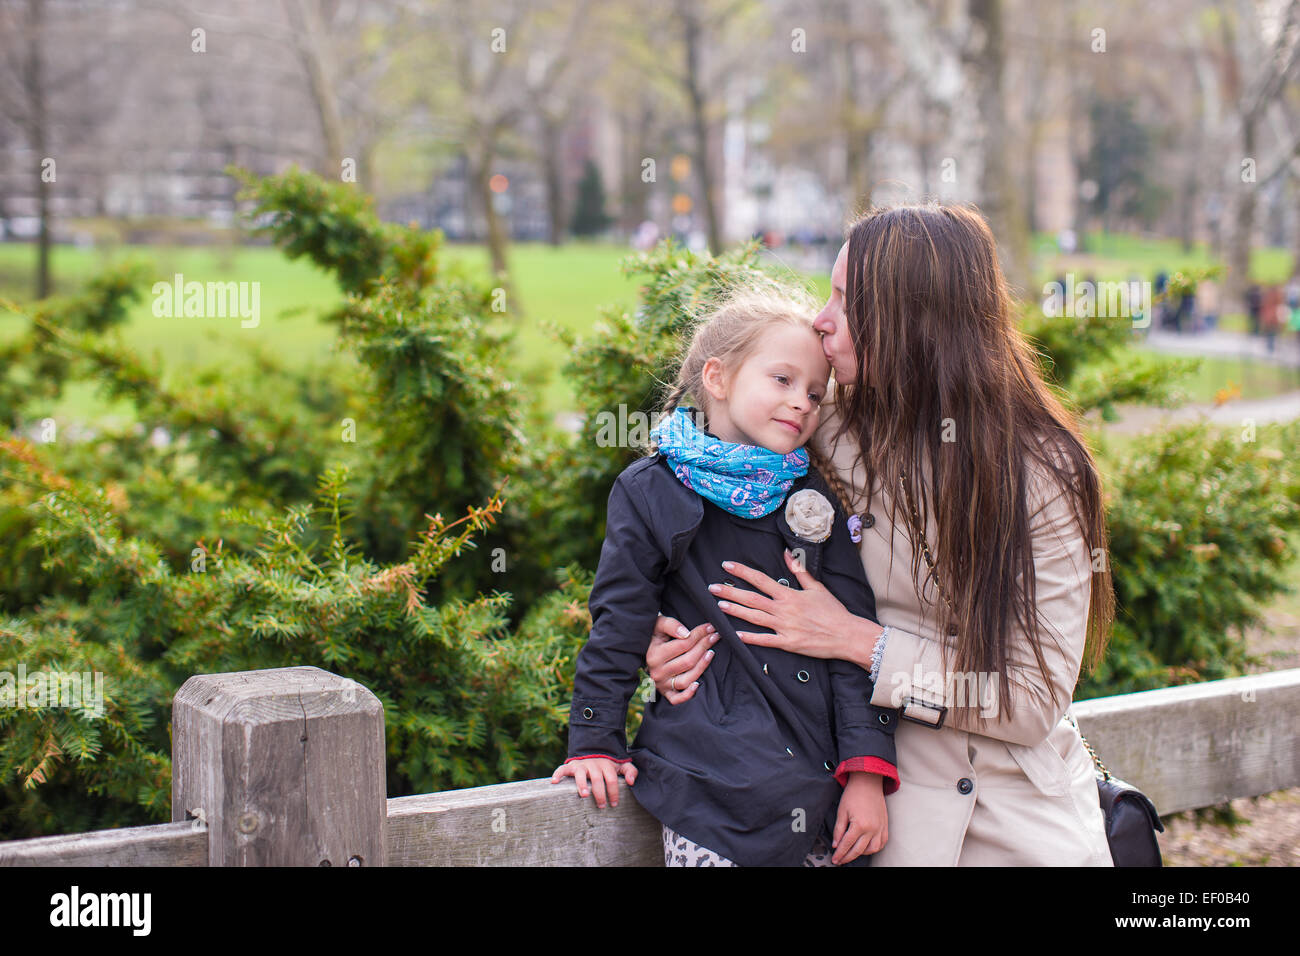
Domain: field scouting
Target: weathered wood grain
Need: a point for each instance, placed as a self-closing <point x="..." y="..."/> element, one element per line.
<point x="1201" y="744"/>
<point x="530" y="823"/>
<point x="166" y="844"/>
<point x="287" y="766"/>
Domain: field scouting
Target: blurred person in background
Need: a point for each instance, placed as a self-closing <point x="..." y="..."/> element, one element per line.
<point x="1207" y="298"/>
<point x="1161" y="314"/>
<point x="1272" y="302"/>
<point x="1293" y="305"/>
<point x="1254" y="303"/>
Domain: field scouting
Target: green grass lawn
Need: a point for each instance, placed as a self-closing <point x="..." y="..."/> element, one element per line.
<point x="1253" y="378"/>
<point x="567" y="285"/>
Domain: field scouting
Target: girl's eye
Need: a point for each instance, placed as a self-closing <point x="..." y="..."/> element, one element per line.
<point x="782" y="379"/>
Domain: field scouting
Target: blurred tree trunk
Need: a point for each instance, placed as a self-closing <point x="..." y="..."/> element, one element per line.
<point x="1295" y="234"/>
<point x="694" y="83"/>
<point x="552" y="143"/>
<point x="1244" y="227"/>
<point x="480" y="164"/>
<point x="313" y="50"/>
<point x="37" y="132"/>
<point x="1259" y="79"/>
<point x="1188" y="197"/>
<point x="1000" y="198"/>
<point x="634" y="194"/>
<point x="1209" y="108"/>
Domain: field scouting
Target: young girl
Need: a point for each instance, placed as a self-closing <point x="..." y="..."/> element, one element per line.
<point x="777" y="759"/>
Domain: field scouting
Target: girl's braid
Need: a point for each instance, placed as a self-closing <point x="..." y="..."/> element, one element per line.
<point x="669" y="406"/>
<point x="832" y="477"/>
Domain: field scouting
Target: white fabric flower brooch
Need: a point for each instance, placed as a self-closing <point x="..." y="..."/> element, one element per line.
<point x="810" y="515"/>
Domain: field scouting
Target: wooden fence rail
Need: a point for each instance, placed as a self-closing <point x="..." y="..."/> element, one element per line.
<point x="286" y="767"/>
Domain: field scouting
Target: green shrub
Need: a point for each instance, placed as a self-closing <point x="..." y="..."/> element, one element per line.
<point x="1198" y="523"/>
<point x="465" y="702"/>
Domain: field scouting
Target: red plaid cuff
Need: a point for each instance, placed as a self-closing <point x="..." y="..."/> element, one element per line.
<point x="869" y="765"/>
<point x="606" y="756"/>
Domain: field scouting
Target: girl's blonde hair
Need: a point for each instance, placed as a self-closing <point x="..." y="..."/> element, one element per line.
<point x="729" y="329"/>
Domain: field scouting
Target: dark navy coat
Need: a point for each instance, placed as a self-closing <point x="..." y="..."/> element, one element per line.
<point x="746" y="767"/>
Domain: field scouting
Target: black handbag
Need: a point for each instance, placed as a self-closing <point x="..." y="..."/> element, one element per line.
<point x="1131" y="817"/>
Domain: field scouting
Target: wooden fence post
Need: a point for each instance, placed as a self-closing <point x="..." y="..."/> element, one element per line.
<point x="285" y="766"/>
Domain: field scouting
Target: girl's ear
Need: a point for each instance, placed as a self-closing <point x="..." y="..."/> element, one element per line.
<point x="715" y="378"/>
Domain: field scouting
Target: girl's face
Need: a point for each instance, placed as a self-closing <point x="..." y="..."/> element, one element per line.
<point x="772" y="399"/>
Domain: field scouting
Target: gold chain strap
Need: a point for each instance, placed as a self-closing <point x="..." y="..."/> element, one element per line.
<point x="925" y="547"/>
<point x="925" y="550"/>
<point x="1091" y="753"/>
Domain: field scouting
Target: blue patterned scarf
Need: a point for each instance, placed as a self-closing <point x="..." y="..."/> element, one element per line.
<point x="747" y="480"/>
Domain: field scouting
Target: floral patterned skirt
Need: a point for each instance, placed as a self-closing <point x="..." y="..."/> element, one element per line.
<point x="679" y="851"/>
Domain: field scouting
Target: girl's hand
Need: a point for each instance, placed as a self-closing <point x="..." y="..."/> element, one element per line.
<point x="604" y="777"/>
<point x="681" y="660"/>
<point x="808" y="620"/>
<point x="862" y="824"/>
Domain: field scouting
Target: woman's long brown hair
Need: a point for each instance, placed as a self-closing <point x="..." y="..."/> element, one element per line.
<point x="932" y="323"/>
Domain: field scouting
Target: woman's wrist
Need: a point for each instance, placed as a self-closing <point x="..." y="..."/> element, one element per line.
<point x="864" y="632"/>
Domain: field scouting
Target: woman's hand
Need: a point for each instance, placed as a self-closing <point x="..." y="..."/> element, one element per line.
<point x="676" y="657"/>
<point x="808" y="620"/>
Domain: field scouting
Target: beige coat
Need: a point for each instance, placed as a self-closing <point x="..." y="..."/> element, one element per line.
<point x="1023" y="793"/>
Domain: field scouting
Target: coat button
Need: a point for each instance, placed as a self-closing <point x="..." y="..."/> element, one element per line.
<point x="764" y="668"/>
<point x="827" y="765"/>
<point x="802" y="676"/>
<point x="964" y="785"/>
<point x="783" y="581"/>
<point x="789" y="751"/>
<point x="869" y="520"/>
<point x="883" y="718"/>
<point x="588" y="713"/>
<point x="729" y="583"/>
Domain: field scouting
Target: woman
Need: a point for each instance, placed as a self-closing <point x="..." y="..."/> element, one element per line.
<point x="940" y="420"/>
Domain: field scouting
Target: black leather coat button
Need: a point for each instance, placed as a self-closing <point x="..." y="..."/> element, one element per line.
<point x="964" y="785"/>
<point x="827" y="765"/>
<point x="802" y="676"/>
<point x="869" y="520"/>
<point x="783" y="581"/>
<point x="729" y="583"/>
<point x="883" y="718"/>
<point x="588" y="713"/>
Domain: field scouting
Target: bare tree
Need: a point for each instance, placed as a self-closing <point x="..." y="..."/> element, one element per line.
<point x="843" y="104"/>
<point x="565" y="61"/>
<point x="1259" y="77"/>
<point x="344" y="50"/>
<point x="703" y="26"/>
<point x="483" y="94"/>
<point x="56" y="65"/>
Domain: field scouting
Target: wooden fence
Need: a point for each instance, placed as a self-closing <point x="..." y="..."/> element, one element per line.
<point x="286" y="767"/>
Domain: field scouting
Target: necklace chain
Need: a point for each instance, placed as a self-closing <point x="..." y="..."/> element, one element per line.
<point x="925" y="548"/>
